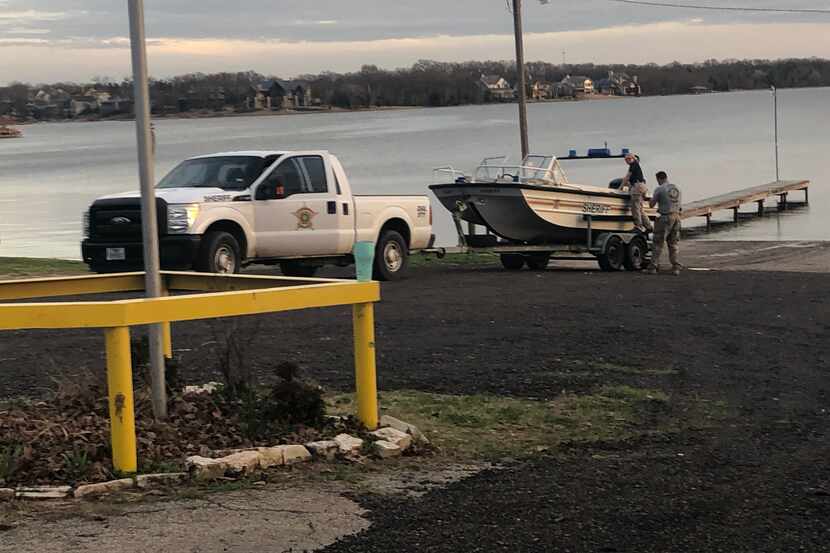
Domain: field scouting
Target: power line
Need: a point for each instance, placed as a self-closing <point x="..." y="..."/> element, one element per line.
<point x="722" y="8"/>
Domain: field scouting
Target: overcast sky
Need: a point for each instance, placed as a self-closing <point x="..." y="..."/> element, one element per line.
<point x="50" y="40"/>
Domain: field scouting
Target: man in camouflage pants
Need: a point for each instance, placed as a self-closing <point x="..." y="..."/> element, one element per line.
<point x="638" y="190"/>
<point x="667" y="197"/>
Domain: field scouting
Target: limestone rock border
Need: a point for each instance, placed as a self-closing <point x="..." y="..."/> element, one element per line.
<point x="391" y="440"/>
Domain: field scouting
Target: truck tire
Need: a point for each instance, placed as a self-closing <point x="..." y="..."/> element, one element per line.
<point x="298" y="269"/>
<point x="219" y="253"/>
<point x="512" y="261"/>
<point x="391" y="256"/>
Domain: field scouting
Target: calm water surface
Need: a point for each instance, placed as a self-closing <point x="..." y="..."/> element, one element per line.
<point x="708" y="144"/>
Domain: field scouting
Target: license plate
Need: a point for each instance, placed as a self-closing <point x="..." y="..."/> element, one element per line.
<point x="116" y="254"/>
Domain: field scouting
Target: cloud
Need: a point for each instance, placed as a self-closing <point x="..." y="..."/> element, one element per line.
<point x="27" y="31"/>
<point x="32" y="15"/>
<point x="51" y="60"/>
<point x="303" y="23"/>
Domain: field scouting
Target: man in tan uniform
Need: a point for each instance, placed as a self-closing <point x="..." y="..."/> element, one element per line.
<point x="638" y="190"/>
<point x="667" y="197"/>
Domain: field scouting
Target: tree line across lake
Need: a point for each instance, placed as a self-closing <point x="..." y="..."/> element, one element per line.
<point x="425" y="83"/>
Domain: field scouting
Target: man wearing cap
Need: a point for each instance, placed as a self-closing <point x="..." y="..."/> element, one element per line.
<point x="638" y="190"/>
<point x="667" y="197"/>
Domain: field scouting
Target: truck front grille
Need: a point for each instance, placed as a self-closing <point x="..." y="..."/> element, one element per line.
<point x="120" y="219"/>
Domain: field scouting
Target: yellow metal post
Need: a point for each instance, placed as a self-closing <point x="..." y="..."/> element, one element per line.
<point x="167" y="337"/>
<point x="364" y="364"/>
<point x="122" y="414"/>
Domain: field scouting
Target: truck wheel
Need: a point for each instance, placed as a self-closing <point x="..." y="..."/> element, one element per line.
<point x="219" y="253"/>
<point x="297" y="269"/>
<point x="512" y="261"/>
<point x="613" y="255"/>
<point x="391" y="256"/>
<point x="635" y="254"/>
<point x="538" y="261"/>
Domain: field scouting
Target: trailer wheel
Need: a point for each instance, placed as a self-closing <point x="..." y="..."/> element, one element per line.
<point x="635" y="254"/>
<point x="613" y="255"/>
<point x="298" y="269"/>
<point x="538" y="261"/>
<point x="512" y="261"/>
<point x="219" y="253"/>
<point x="391" y="256"/>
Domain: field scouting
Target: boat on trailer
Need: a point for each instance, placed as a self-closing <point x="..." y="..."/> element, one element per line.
<point x="534" y="205"/>
<point x="9" y="132"/>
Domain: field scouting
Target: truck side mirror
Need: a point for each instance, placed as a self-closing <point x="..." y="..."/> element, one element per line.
<point x="270" y="191"/>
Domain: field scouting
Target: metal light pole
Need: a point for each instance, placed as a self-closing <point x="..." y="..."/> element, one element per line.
<point x="520" y="67"/>
<point x="775" y="116"/>
<point x="149" y="223"/>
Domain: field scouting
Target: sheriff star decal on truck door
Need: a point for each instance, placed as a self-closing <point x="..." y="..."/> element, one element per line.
<point x="304" y="217"/>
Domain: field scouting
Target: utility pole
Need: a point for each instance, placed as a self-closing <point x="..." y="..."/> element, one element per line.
<point x="520" y="68"/>
<point x="775" y="117"/>
<point x="149" y="223"/>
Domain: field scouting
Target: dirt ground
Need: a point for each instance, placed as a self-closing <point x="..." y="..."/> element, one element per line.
<point x="749" y="338"/>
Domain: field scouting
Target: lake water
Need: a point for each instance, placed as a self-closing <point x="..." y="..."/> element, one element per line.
<point x="709" y="145"/>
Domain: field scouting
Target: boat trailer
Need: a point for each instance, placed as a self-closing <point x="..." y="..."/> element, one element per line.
<point x="613" y="251"/>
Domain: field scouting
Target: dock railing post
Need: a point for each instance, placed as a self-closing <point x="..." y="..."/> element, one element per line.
<point x="364" y="364"/>
<point x="121" y="404"/>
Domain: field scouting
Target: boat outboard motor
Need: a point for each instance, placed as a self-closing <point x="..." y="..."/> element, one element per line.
<point x="615" y="184"/>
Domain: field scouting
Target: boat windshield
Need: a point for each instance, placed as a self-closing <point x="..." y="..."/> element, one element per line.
<point x="226" y="172"/>
<point x="536" y="167"/>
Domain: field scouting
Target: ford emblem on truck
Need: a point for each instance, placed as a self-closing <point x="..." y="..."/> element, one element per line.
<point x="120" y="221"/>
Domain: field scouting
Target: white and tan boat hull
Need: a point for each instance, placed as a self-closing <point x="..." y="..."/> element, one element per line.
<point x="536" y="214"/>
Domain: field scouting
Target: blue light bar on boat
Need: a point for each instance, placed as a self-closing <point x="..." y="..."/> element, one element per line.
<point x="597" y="153"/>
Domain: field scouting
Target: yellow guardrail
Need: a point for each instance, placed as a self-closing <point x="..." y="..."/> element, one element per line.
<point x="211" y="296"/>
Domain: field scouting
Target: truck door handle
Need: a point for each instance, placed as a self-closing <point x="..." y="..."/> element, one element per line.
<point x="332" y="208"/>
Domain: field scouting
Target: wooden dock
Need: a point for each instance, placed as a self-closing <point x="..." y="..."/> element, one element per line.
<point x="756" y="194"/>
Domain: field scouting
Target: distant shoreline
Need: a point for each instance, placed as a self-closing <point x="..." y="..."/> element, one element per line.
<point x="207" y="114"/>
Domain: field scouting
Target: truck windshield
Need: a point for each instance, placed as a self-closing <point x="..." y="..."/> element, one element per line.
<point x="227" y="172"/>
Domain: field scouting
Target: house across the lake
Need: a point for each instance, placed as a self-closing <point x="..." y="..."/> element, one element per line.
<point x="495" y="87"/>
<point x="275" y="94"/>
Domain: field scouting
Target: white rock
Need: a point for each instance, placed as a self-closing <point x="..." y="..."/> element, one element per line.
<point x="103" y="488"/>
<point x="244" y="462"/>
<point x="147" y="481"/>
<point x="348" y="445"/>
<point x="326" y="449"/>
<point x="44" y="492"/>
<point x="208" y="388"/>
<point x="295" y="454"/>
<point x="410" y="429"/>
<point x="204" y="468"/>
<point x="271" y="456"/>
<point x="394" y="436"/>
<point x="6" y="494"/>
<point x="386" y="449"/>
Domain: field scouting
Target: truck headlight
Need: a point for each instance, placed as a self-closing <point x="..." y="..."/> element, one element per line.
<point x="85" y="224"/>
<point x="181" y="217"/>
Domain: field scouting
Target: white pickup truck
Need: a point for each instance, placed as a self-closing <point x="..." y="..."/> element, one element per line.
<point x="220" y="212"/>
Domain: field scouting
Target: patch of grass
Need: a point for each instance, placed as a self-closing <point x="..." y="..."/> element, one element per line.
<point x="10" y="458"/>
<point x="22" y="267"/>
<point x="485" y="426"/>
<point x="431" y="260"/>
